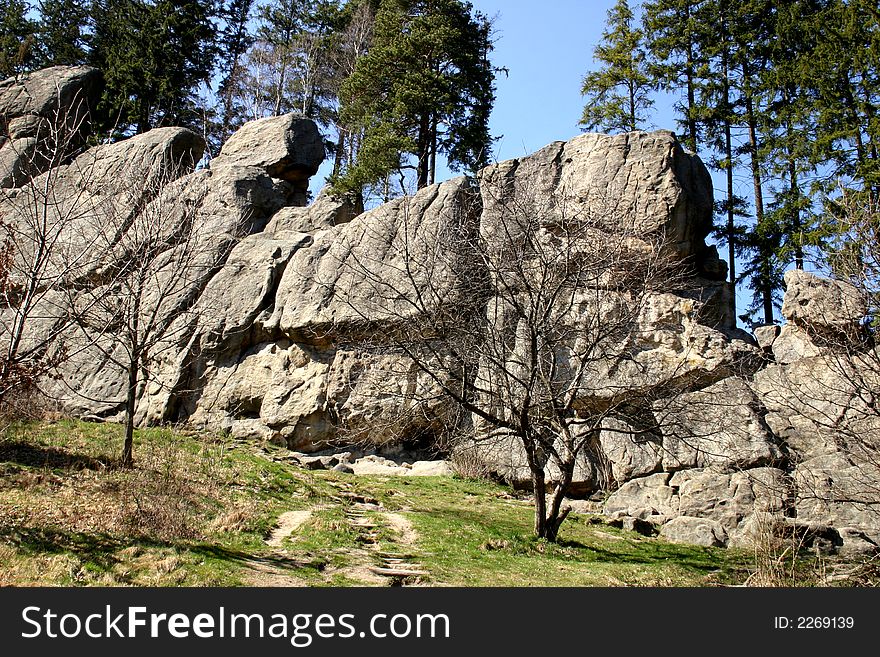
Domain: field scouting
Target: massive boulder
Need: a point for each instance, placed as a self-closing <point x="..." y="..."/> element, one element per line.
<point x="289" y="334"/>
<point x="67" y="223"/>
<point x="43" y="115"/>
<point x="822" y="307"/>
<point x="645" y="179"/>
<point x="284" y="147"/>
<point x="620" y="198"/>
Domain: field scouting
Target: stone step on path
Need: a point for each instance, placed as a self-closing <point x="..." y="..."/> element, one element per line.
<point x="399" y="568"/>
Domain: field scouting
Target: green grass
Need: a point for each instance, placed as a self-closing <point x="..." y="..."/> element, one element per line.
<point x="197" y="509"/>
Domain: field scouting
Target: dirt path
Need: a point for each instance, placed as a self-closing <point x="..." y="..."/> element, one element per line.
<point x="288" y="523"/>
<point x="393" y="565"/>
<point x="401" y="524"/>
<point x="263" y="572"/>
<point x="275" y="568"/>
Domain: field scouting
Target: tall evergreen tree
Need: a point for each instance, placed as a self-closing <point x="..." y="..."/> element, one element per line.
<point x="17" y="52"/>
<point x="789" y="125"/>
<point x="154" y="55"/>
<point x="619" y="92"/>
<point x="426" y="87"/>
<point x="62" y="32"/>
<point x="718" y="96"/>
<point x="846" y="82"/>
<point x="734" y="45"/>
<point x="234" y="39"/>
<point x="750" y="21"/>
<point x="674" y="34"/>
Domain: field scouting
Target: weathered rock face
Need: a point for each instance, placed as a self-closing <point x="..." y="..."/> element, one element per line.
<point x="283" y="147"/>
<point x="643" y="177"/>
<point x="720" y="426"/>
<point x="819" y="396"/>
<point x="808" y="414"/>
<point x="821" y="306"/>
<point x="284" y="338"/>
<point x="727" y="502"/>
<point x="43" y="111"/>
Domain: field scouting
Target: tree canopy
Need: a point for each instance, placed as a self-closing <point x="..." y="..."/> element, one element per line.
<point x="619" y="91"/>
<point x="425" y="87"/>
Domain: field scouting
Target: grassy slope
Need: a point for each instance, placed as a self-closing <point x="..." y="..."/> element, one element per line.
<point x="197" y="509"/>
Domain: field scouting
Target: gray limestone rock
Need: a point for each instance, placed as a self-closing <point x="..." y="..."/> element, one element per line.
<point x="822" y="307"/>
<point x="288" y="337"/>
<point x="288" y="147"/>
<point x="43" y="117"/>
<point x="793" y="344"/>
<point x="694" y="531"/>
<point x="648" y="498"/>
<point x="765" y="335"/>
<point x="720" y="426"/>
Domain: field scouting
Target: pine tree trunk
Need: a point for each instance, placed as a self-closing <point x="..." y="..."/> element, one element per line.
<point x="796" y="227"/>
<point x="422" y="146"/>
<point x="632" y="108"/>
<point x="765" y="284"/>
<point x="731" y="215"/>
<point x="433" y="175"/>
<point x="340" y="152"/>
<point x="689" y="75"/>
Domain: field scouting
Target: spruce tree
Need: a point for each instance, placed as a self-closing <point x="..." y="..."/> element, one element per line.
<point x="790" y="126"/>
<point x="674" y="30"/>
<point x="619" y="92"/>
<point x="62" y="32"/>
<point x="846" y="82"/>
<point x="425" y="88"/>
<point x="154" y="55"/>
<point x="751" y="40"/>
<point x="17" y="52"/>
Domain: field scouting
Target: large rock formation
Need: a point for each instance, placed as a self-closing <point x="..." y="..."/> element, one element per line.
<point x="282" y="336"/>
<point x="42" y="115"/>
<point x="792" y="447"/>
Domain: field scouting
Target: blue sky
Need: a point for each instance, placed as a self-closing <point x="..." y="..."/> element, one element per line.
<point x="548" y="48"/>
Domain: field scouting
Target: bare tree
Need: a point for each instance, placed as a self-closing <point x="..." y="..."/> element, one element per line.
<point x="36" y="222"/>
<point x="528" y="320"/>
<point x="156" y="257"/>
<point x="353" y="45"/>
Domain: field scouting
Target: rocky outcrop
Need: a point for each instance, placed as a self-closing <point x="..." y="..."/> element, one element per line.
<point x="801" y="431"/>
<point x="822" y="307"/>
<point x="728" y="502"/>
<point x="43" y="115"/>
<point x="285" y="337"/>
<point x="283" y="147"/>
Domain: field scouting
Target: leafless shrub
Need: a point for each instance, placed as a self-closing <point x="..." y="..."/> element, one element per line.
<point x="782" y="557"/>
